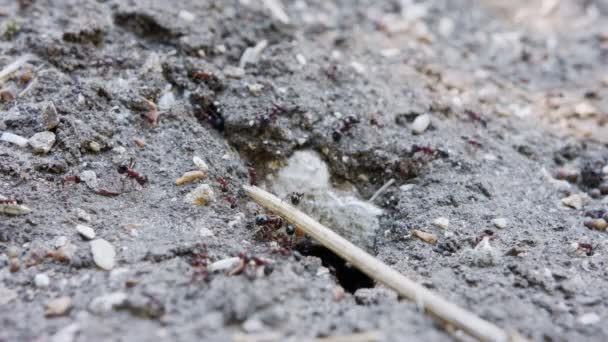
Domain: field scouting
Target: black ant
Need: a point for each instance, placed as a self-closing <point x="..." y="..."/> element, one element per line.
<point x="295" y="197"/>
<point x="271" y="221"/>
<point x="128" y="170"/>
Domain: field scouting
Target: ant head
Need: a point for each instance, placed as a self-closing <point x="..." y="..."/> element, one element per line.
<point x="123" y="169"/>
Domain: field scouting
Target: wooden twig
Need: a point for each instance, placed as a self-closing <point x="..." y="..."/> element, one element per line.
<point x="381" y="190"/>
<point x="8" y="70"/>
<point x="368" y="336"/>
<point x="432" y="303"/>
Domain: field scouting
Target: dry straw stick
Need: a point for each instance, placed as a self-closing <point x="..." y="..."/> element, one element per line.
<point x="435" y="305"/>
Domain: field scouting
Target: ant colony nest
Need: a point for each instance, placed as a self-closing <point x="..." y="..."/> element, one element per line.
<point x="340" y="210"/>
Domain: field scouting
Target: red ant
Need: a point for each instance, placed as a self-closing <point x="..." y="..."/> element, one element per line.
<point x="476" y="117"/>
<point x="224" y="184"/>
<point x="200" y="262"/>
<point x="375" y="120"/>
<point x="245" y="259"/>
<point x="10" y="201"/>
<point x="429" y="151"/>
<point x="128" y="170"/>
<point x="586" y="246"/>
<point x="71" y="179"/>
<point x="232" y="201"/>
<point x="473" y="142"/>
<point x="267" y="119"/>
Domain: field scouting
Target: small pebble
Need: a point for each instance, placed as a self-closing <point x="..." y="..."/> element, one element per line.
<point x="605" y="170"/>
<point x="94" y="146"/>
<point x="66" y="334"/>
<point x="89" y="178"/>
<point x="205" y="232"/>
<point x="86" y="231"/>
<point x="42" y="142"/>
<point x="424" y="236"/>
<point x="50" y="118"/>
<point x="500" y="222"/>
<point x="58" y="307"/>
<point x="442" y="222"/>
<point x="224" y="264"/>
<point x="202" y="195"/>
<point x="253" y="325"/>
<point x="190" y="176"/>
<point x="103" y="254"/>
<point x="338" y="293"/>
<point x="597" y="224"/>
<point x="14" y="265"/>
<point x="585" y="109"/>
<point x="589" y="318"/>
<point x="14" y="139"/>
<point x="106" y="303"/>
<point x="42" y="281"/>
<point x="574" y="201"/>
<point x="60" y="241"/>
<point x="14" y="209"/>
<point x="82" y="215"/>
<point x="13" y="251"/>
<point x="406" y="187"/>
<point x="186" y="16"/>
<point x="234" y="72"/>
<point x="421" y="123"/>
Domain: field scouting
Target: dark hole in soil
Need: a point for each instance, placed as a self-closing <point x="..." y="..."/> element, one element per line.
<point x="350" y="278"/>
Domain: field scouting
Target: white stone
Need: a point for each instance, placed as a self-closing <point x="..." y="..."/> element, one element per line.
<point x="500" y="222"/>
<point x="421" y="123"/>
<point x="441" y="222"/>
<point x="574" y="201"/>
<point x="82" y="215"/>
<point x="200" y="163"/>
<point x="60" y="241"/>
<point x="201" y="195"/>
<point x="589" y="318"/>
<point x="42" y="142"/>
<point x="104" y="254"/>
<point x="252" y="54"/>
<point x="14" y="139"/>
<point x="186" y="16"/>
<point x="42" y="281"/>
<point x="406" y="187"/>
<point x="605" y="170"/>
<point x="234" y="72"/>
<point x="66" y="334"/>
<point x="89" y="178"/>
<point x="253" y="325"/>
<point x="86" y="231"/>
<point x="106" y="303"/>
<point x="585" y="109"/>
<point x="301" y="59"/>
<point x="205" y="232"/>
<point x="224" y="264"/>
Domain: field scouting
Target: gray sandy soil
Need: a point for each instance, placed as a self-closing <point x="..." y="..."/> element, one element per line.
<point x="517" y="95"/>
